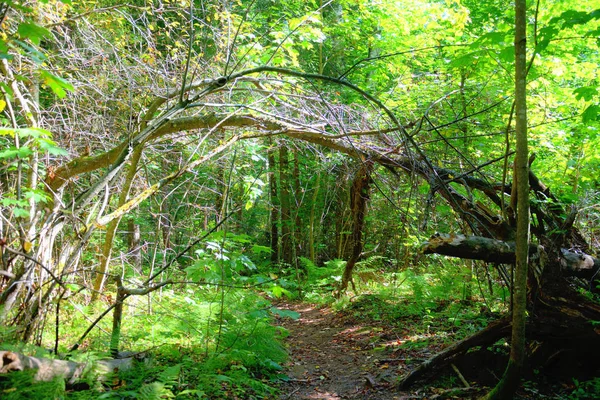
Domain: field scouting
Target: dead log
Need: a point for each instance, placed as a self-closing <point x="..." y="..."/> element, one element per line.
<point x="47" y="369"/>
<point x="501" y="252"/>
<point x="558" y="313"/>
<point x="488" y="336"/>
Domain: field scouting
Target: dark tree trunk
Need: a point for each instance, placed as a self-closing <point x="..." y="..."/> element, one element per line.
<point x="286" y="215"/>
<point x="274" y="220"/>
<point x="359" y="197"/>
<point x="298" y="199"/>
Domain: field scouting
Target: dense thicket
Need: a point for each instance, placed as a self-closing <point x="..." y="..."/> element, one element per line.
<point x="211" y="146"/>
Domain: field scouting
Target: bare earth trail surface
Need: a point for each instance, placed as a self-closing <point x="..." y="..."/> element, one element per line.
<point x="333" y="358"/>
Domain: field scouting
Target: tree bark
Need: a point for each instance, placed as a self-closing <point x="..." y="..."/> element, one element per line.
<point x="284" y="197"/>
<point x="274" y="196"/>
<point x="111" y="230"/>
<point x="311" y="222"/>
<point x="359" y="197"/>
<point x="510" y="380"/>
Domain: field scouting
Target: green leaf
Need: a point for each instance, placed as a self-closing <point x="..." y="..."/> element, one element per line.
<point x="465" y="60"/>
<point x="33" y="32"/>
<point x="545" y="35"/>
<point x="38" y="196"/>
<point x="571" y="18"/>
<point x="20" y="212"/>
<point x="13" y="152"/>
<point x="7" y="202"/>
<point x="50" y="147"/>
<point x="592" y="113"/>
<point x="25" y="132"/>
<point x="587" y="92"/>
<point x="7" y="89"/>
<point x="56" y="83"/>
<point x="272" y="365"/>
<point x="492" y="38"/>
<point x="37" y="56"/>
<point x="278" y="291"/>
<point x="3" y="47"/>
<point x="258" y="250"/>
<point x="507" y="54"/>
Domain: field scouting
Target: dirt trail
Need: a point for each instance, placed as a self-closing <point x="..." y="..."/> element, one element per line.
<point x="333" y="359"/>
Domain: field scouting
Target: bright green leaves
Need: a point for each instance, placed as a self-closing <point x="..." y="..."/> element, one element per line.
<point x="545" y="35"/>
<point x="592" y="113"/>
<point x="18" y="206"/>
<point x="26" y="41"/>
<point x="50" y="147"/>
<point x="58" y="85"/>
<point x="39" y="139"/>
<point x="571" y="18"/>
<point x="587" y="94"/>
<point x="13" y="152"/>
<point x="34" y="32"/>
<point x="223" y="258"/>
<point x="25" y="132"/>
<point x="568" y="20"/>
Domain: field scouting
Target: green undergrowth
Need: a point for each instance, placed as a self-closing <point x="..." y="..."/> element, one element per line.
<point x="192" y="344"/>
<point x="430" y="300"/>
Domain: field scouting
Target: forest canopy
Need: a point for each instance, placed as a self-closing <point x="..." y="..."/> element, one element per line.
<point x="171" y="171"/>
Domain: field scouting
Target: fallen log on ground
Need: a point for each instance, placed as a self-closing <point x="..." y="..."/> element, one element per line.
<point x="48" y="369"/>
<point x="495" y="331"/>
<point x="562" y="322"/>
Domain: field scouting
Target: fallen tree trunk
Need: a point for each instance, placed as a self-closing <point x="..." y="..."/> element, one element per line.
<point x="497" y="251"/>
<point x="47" y="369"/>
<point x="561" y="320"/>
<point x="495" y="331"/>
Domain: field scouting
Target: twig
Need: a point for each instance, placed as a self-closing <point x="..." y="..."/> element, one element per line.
<point x="460" y="376"/>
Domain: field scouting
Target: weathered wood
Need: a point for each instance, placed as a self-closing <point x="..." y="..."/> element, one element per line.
<point x="497" y="251"/>
<point x="474" y="247"/>
<point x="48" y="369"/>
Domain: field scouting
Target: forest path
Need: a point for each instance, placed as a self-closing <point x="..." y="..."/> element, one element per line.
<point x="333" y="358"/>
